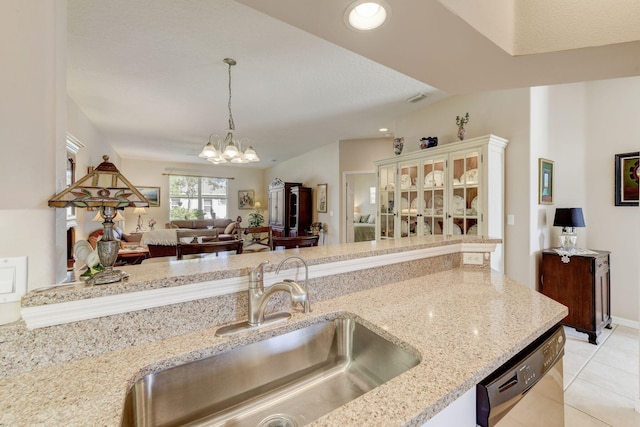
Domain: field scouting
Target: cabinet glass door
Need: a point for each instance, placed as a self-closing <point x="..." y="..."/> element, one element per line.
<point x="433" y="196"/>
<point x="465" y="203"/>
<point x="386" y="201"/>
<point x="408" y="208"/>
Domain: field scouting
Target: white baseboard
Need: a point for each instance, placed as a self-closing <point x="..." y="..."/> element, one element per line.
<point x="625" y="322"/>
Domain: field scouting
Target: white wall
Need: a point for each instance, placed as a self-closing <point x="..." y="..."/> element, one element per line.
<point x="558" y="133"/>
<point x="32" y="131"/>
<point x="146" y="173"/>
<point x="581" y="127"/>
<point x="613" y="109"/>
<point x="320" y="166"/>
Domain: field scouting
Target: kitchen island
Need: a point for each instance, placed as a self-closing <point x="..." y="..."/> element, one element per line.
<point x="463" y="322"/>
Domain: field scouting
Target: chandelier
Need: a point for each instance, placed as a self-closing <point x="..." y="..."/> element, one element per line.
<point x="228" y="149"/>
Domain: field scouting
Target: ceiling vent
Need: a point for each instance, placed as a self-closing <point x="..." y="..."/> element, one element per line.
<point x="416" y="98"/>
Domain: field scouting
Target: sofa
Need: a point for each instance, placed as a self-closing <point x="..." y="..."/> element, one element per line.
<point x="225" y="227"/>
<point x="163" y="242"/>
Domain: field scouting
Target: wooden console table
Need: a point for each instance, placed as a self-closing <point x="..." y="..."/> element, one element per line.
<point x="582" y="283"/>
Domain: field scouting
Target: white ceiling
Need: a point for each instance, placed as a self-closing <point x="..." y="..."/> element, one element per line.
<point x="149" y="73"/>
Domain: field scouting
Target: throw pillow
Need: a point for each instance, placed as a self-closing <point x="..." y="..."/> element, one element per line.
<point x="364" y="218"/>
<point x="229" y="229"/>
<point x="356" y="217"/>
<point x="372" y="219"/>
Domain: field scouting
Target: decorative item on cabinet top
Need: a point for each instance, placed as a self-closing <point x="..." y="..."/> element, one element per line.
<point x="428" y="142"/>
<point x="461" y="121"/>
<point x="398" y="144"/>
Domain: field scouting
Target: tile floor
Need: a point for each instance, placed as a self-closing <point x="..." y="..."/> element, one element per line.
<point x="601" y="382"/>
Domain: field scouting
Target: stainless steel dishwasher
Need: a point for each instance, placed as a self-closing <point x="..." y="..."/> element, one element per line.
<point x="528" y="389"/>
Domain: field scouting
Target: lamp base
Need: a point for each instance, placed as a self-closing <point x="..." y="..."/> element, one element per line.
<point x="568" y="240"/>
<point x="108" y="275"/>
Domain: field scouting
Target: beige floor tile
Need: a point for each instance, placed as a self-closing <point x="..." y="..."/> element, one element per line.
<point x="580" y="347"/>
<point x="611" y="379"/>
<point x="572" y="364"/>
<point x="625" y="361"/>
<point x="624" y="342"/>
<point x="575" y="418"/>
<point x="625" y="330"/>
<point x="611" y="408"/>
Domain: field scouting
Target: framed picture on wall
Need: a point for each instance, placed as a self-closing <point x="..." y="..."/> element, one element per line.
<point x="545" y="182"/>
<point x="321" y="199"/>
<point x="627" y="179"/>
<point x="246" y="199"/>
<point x="152" y="194"/>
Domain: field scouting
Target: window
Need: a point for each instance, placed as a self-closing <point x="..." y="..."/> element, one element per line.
<point x="193" y="197"/>
<point x="372" y="195"/>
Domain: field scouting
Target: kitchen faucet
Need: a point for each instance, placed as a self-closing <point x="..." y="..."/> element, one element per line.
<point x="259" y="297"/>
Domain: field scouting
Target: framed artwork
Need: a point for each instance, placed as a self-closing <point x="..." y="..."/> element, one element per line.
<point x="545" y="182"/>
<point x="246" y="199"/>
<point x="152" y="194"/>
<point x="627" y="179"/>
<point x="321" y="200"/>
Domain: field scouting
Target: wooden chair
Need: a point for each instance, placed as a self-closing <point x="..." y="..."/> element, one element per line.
<point x="294" y="242"/>
<point x="208" y="248"/>
<point x="257" y="238"/>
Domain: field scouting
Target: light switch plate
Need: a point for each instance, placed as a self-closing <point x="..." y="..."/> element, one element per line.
<point x="13" y="278"/>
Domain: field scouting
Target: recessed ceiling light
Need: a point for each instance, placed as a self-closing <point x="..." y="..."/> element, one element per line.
<point x="363" y="15"/>
<point x="383" y="129"/>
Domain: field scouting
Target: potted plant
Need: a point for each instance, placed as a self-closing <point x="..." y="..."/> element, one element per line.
<point x="256" y="219"/>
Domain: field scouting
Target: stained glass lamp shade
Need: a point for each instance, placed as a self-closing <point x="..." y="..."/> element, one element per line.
<point x="106" y="189"/>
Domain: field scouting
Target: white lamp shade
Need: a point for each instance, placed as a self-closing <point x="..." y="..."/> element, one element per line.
<point x="208" y="151"/>
<point x="139" y="211"/>
<point x="99" y="218"/>
<point x="250" y="155"/>
<point x="230" y="151"/>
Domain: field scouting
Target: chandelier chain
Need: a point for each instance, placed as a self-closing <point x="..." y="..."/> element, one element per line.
<point x="231" y="123"/>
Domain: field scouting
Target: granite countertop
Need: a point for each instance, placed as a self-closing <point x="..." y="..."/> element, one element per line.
<point x="176" y="273"/>
<point x="464" y="323"/>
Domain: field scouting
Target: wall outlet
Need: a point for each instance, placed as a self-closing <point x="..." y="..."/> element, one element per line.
<point x="472" y="258"/>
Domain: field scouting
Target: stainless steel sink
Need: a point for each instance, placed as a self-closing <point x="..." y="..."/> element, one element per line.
<point x="286" y="380"/>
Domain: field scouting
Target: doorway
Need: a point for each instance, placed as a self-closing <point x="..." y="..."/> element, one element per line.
<point x="360" y="201"/>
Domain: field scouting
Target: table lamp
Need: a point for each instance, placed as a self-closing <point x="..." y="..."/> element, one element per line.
<point x="139" y="212"/>
<point x="568" y="219"/>
<point x="106" y="189"/>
